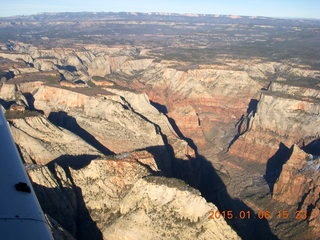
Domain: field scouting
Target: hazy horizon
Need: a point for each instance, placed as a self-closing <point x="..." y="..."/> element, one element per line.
<point x="271" y="8"/>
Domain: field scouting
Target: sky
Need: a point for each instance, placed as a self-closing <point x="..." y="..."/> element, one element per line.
<point x="268" y="8"/>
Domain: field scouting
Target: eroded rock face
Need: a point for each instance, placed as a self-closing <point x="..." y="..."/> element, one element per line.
<point x="92" y="196"/>
<point x="121" y="204"/>
<point x="40" y="141"/>
<point x="12" y="98"/>
<point x="204" y="103"/>
<point x="8" y="91"/>
<point x="299" y="185"/>
<point x="97" y="186"/>
<point x="106" y="117"/>
<point x="207" y="105"/>
<point x="278" y="120"/>
<point x="140" y="103"/>
<point x="186" y="213"/>
<point x="103" y="65"/>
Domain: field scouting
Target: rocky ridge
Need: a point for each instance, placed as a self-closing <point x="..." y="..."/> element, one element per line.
<point x="98" y="191"/>
<point x="211" y="109"/>
<point x="298" y="185"/>
<point x="121" y="204"/>
<point x="278" y="120"/>
<point x="41" y="142"/>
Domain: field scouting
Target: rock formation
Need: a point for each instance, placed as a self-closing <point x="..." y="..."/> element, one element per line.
<point x="94" y="196"/>
<point x="140" y="103"/>
<point x="205" y="118"/>
<point x="102" y="128"/>
<point x="40" y="141"/>
<point x="118" y="203"/>
<point x="106" y="117"/>
<point x="299" y="185"/>
<point x="278" y="120"/>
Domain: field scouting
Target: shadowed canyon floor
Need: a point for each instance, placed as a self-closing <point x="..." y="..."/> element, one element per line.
<point x="148" y="139"/>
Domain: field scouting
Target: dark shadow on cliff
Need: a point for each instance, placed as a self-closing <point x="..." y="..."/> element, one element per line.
<point x="275" y="163"/>
<point x="62" y="119"/>
<point x="6" y="104"/>
<point x="163" y="109"/>
<point x="67" y="207"/>
<point x="83" y="226"/>
<point x="252" y="107"/>
<point x="30" y="99"/>
<point x="76" y="162"/>
<point x="199" y="173"/>
<point x="163" y="158"/>
<point x="69" y="68"/>
<point x="180" y="135"/>
<point x="313" y="147"/>
<point x="243" y="124"/>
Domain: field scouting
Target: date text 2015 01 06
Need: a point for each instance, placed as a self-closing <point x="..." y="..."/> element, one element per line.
<point x="261" y="214"/>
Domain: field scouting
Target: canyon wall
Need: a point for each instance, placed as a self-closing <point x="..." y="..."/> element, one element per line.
<point x="299" y="185"/>
<point x="117" y="199"/>
<point x="288" y="119"/>
<point x="98" y="121"/>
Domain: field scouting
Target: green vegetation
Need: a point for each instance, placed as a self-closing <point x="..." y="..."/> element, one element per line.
<point x="98" y="78"/>
<point x="299" y="81"/>
<point x="52" y="79"/>
<point x="171" y="183"/>
<point x="90" y="84"/>
<point x="2" y="74"/>
<point x="21" y="114"/>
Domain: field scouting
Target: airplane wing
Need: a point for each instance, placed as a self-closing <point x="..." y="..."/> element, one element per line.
<point x="21" y="217"/>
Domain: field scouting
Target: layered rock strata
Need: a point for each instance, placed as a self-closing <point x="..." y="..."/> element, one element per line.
<point x="280" y="119"/>
<point x="209" y="106"/>
<point x="40" y="141"/>
<point x="299" y="186"/>
<point x="122" y="205"/>
<point x="204" y="103"/>
<point x="106" y="117"/>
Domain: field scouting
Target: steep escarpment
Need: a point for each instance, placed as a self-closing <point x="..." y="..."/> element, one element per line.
<point x="204" y="104"/>
<point x="95" y="186"/>
<point x="299" y="185"/>
<point x="140" y="103"/>
<point x="92" y="195"/>
<point x="40" y="141"/>
<point x="280" y="119"/>
<point x="117" y="120"/>
<point x="106" y="117"/>
<point x="118" y="203"/>
<point x="125" y="126"/>
<point x="286" y="119"/>
<point x="87" y="112"/>
<point x="95" y="196"/>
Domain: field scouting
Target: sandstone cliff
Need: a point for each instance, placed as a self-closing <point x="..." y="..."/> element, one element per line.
<point x="278" y="119"/>
<point x="119" y="204"/>
<point x="140" y="103"/>
<point x="117" y="139"/>
<point x="109" y="197"/>
<point x="106" y="117"/>
<point x="299" y="185"/>
<point x="204" y="103"/>
<point x="40" y="141"/>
